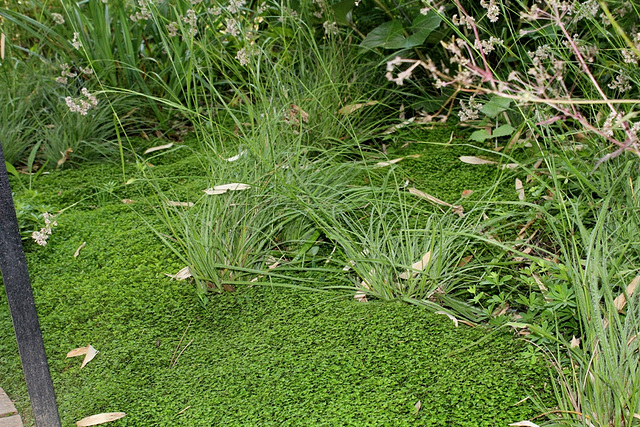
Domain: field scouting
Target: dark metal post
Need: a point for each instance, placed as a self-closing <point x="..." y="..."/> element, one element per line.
<point x="17" y="286"/>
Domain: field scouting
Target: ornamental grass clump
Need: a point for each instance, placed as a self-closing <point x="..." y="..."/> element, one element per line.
<point x="391" y="248"/>
<point x="599" y="367"/>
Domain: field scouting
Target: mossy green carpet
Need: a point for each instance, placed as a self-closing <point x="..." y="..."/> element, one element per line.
<point x="259" y="356"/>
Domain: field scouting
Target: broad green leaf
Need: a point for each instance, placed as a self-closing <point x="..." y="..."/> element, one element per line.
<point x="495" y="106"/>
<point x="342" y="11"/>
<point x="480" y="135"/>
<point x="390" y="35"/>
<point x="385" y="35"/>
<point x="422" y="26"/>
<point x="32" y="156"/>
<point x="503" y="130"/>
<point x="11" y="169"/>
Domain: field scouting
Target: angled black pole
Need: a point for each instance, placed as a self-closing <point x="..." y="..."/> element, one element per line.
<point x="17" y="286"/>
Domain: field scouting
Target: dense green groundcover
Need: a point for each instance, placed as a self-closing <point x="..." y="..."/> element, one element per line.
<point x="259" y="356"/>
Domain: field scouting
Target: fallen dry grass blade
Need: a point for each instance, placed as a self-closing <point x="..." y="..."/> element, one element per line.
<point x="158" y="148"/>
<point x="457" y="209"/>
<point x="394" y="161"/>
<point x="77" y="252"/>
<point x="179" y="204"/>
<point x="221" y="189"/>
<point x="452" y="318"/>
<point x="348" y="109"/>
<point x="473" y="160"/>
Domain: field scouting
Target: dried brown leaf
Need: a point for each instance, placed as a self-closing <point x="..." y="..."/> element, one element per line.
<point x="473" y="160"/>
<point x="509" y="166"/>
<point x="78" y="351"/>
<point x="77" y="252"/>
<point x="179" y="204"/>
<point x="467" y="193"/>
<point x="389" y="163"/>
<point x="520" y="189"/>
<point x="183" y="274"/>
<point x="621" y="300"/>
<point x="94" y="420"/>
<point x="541" y="286"/>
<point x="348" y="109"/>
<point x="521" y="401"/>
<point x="464" y="261"/>
<point x="88" y="351"/>
<point x="417" y="267"/>
<point x="236" y="157"/>
<point x="524" y="229"/>
<point x="221" y="189"/>
<point x="500" y="310"/>
<point x="455" y="208"/>
<point x="295" y="112"/>
<point x="65" y="156"/>
<point x="453" y="319"/>
<point x="348" y="267"/>
<point x="127" y="201"/>
<point x="91" y="353"/>
<point x="429" y="197"/>
<point x="360" y="296"/>
<point x="524" y="424"/>
<point x="158" y="148"/>
<point x="458" y="210"/>
<point x="417" y="406"/>
<point x="273" y="265"/>
<point x="575" y="342"/>
<point x="394" y="128"/>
